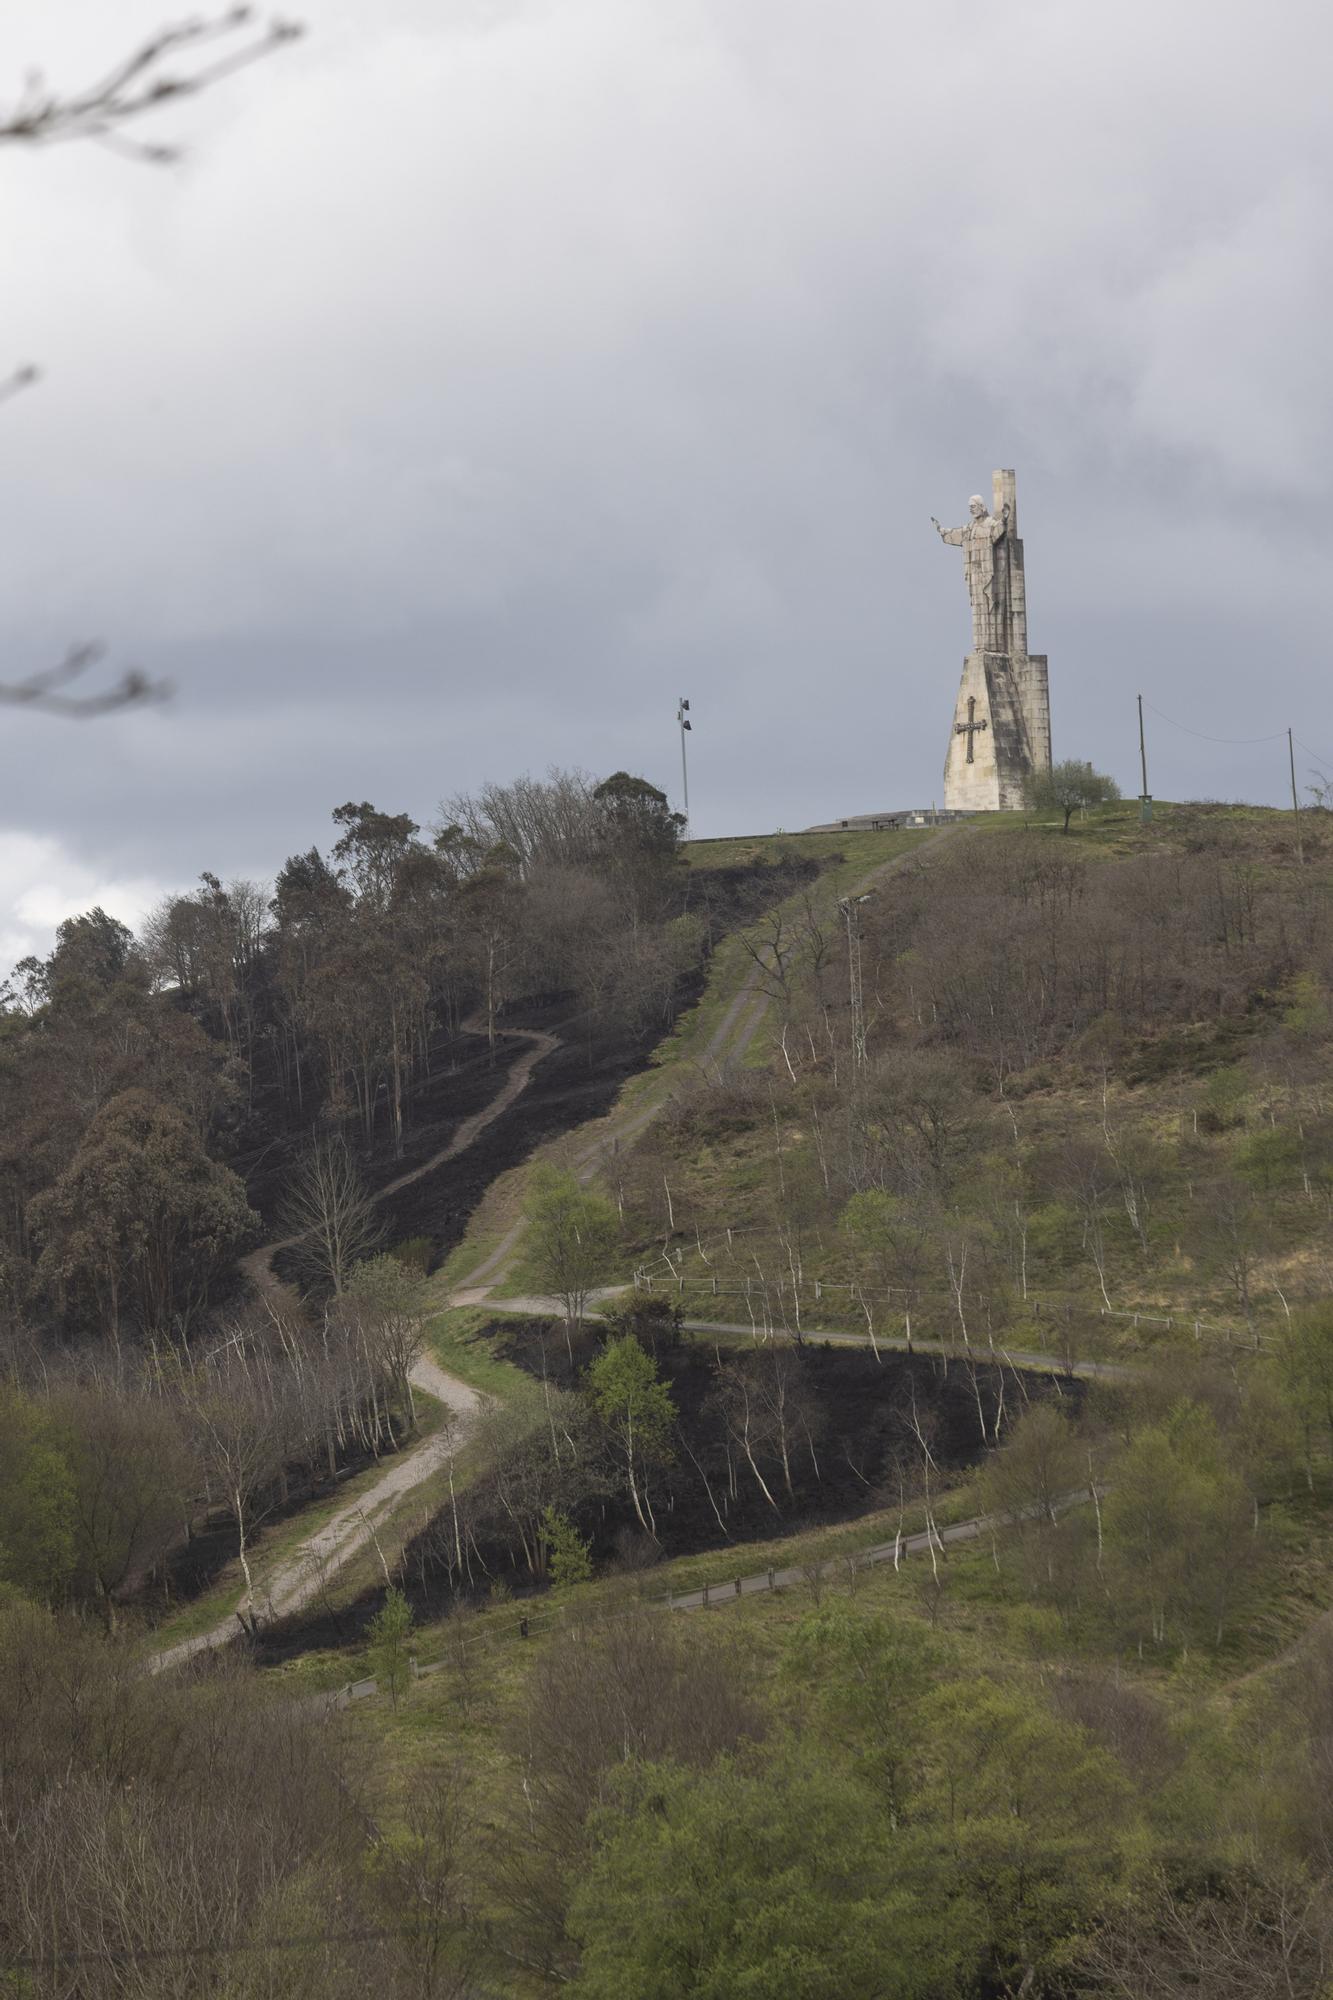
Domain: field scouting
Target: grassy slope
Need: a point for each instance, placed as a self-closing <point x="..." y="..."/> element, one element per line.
<point x="725" y="1176"/>
<point x="454" y="1335"/>
<point x="847" y="859"/>
<point x="463" y="1709"/>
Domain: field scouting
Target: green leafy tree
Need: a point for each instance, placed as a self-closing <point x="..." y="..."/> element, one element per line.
<point x="635" y="1406"/>
<point x="141" y="1222"/>
<point x="1306" y="1016"/>
<point x="783" y="1883"/>
<point x="636" y="820"/>
<point x="866" y="1678"/>
<point x="387" y="1651"/>
<point x="637" y="841"/>
<point x="572" y="1241"/>
<point x="1178" y="1531"/>
<point x="568" y="1557"/>
<point x="1040" y="1462"/>
<point x="1272" y="1161"/>
<point x="128" y="1476"/>
<point x="1035" y="1816"/>
<point x="1307" y="1370"/>
<point x="1070" y="787"/>
<point x="36" y="1500"/>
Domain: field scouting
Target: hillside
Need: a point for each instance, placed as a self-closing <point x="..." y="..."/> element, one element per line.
<point x="1012" y="1664"/>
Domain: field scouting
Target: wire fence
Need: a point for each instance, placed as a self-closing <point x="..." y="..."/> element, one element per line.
<point x="779" y="1301"/>
<point x="524" y="1621"/>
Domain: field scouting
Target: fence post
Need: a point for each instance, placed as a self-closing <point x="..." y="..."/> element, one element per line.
<point x="705" y="1597"/>
<point x="770" y="1577"/>
<point x="738" y="1586"/>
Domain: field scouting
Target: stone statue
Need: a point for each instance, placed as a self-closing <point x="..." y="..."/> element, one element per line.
<point x="986" y="570"/>
<point x="1001" y="730"/>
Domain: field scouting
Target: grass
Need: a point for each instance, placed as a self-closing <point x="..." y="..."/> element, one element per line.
<point x="852" y="843"/>
<point x="848" y="858"/>
<point x="457" y="1340"/>
<point x="982" y="1608"/>
<point x="272" y="1546"/>
<point x="464" y="1258"/>
<point x="1117" y="829"/>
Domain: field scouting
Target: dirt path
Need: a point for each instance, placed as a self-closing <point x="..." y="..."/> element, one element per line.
<point x="258" y="1266"/>
<point x="1014" y="1357"/>
<point x="729" y="1041"/>
<point x="300" y="1577"/>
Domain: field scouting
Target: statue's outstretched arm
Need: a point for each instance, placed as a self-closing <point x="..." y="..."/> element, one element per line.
<point x="954" y="536"/>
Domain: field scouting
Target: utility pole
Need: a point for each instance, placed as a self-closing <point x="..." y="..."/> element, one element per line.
<point x="1145" y="796"/>
<point x="683" y="718"/>
<point x="849" y="905"/>
<point x="1295" y="802"/>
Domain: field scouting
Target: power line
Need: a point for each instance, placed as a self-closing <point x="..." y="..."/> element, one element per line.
<point x="1233" y="741"/>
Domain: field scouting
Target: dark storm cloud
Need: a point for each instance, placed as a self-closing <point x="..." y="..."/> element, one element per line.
<point x="491" y="375"/>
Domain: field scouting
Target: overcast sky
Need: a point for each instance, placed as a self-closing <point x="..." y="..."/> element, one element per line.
<point x="493" y="372"/>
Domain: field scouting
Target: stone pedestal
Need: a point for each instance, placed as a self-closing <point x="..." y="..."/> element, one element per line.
<point x="988" y="758"/>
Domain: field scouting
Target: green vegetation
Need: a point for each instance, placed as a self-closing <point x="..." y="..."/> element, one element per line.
<point x="1070" y="787"/>
<point x="1069" y="1097"/>
<point x="572" y="1240"/>
<point x="568" y="1557"/>
<point x="387" y="1650"/>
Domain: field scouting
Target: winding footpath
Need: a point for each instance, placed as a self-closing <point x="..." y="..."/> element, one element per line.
<point x="300" y="1577"/>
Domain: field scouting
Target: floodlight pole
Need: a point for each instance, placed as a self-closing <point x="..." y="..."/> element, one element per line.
<point x="682" y="713"/>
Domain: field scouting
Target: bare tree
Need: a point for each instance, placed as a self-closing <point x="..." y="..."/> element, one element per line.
<point x="330" y="1214"/>
<point x="243" y="1431"/>
<point x="1257" y="1936"/>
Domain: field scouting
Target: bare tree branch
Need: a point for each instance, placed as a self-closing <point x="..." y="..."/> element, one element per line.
<point x="49" y="689"/>
<point x="138" y="84"/>
<point x="141" y="83"/>
<point x="22" y="378"/>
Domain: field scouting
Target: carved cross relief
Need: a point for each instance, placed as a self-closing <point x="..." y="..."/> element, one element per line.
<point x="971" y="726"/>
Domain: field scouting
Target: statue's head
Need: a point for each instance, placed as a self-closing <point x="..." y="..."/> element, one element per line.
<point x="976" y="506"/>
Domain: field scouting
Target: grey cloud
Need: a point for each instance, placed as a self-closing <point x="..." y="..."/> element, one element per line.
<point x="491" y="375"/>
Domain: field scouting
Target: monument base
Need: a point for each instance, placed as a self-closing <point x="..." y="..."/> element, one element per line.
<point x="991" y="753"/>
